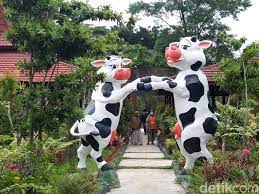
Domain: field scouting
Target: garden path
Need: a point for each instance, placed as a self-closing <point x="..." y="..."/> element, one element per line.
<point x="144" y="170"/>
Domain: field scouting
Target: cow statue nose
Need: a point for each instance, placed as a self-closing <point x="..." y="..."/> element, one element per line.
<point x="173" y="53"/>
<point x="173" y="47"/>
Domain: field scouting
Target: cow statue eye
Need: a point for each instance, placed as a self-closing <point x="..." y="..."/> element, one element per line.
<point x="185" y="47"/>
<point x="114" y="66"/>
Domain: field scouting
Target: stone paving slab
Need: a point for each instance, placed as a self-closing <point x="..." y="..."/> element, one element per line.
<point x="143" y="149"/>
<point x="147" y="181"/>
<point x="145" y="163"/>
<point x="143" y="155"/>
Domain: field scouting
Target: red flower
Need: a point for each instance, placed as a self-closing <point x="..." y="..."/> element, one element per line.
<point x="245" y="152"/>
<point x="13" y="166"/>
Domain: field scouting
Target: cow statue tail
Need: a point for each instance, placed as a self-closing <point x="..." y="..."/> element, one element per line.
<point x="73" y="128"/>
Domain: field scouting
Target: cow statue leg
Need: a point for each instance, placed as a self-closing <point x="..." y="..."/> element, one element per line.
<point x="205" y="153"/>
<point x="101" y="164"/>
<point x="98" y="144"/>
<point x="82" y="152"/>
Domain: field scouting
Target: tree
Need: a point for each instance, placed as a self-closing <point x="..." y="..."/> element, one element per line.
<point x="200" y="18"/>
<point x="234" y="70"/>
<point x="53" y="31"/>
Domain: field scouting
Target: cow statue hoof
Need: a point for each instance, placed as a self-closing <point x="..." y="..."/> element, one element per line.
<point x="106" y="167"/>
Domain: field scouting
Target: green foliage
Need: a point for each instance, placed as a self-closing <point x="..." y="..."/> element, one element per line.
<point x="169" y="145"/>
<point x="51" y="31"/>
<point x="233" y="130"/>
<point x="165" y="116"/>
<point x="36" y="168"/>
<point x="76" y="183"/>
<point x="230" y="167"/>
<point x="233" y="78"/>
<point x="126" y="114"/>
<point x="200" y="18"/>
<point x="5" y="140"/>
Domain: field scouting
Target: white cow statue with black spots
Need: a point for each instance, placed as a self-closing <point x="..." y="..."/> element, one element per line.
<point x="102" y="115"/>
<point x="196" y="120"/>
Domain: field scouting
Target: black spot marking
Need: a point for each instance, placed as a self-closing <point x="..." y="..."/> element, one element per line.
<point x="108" y="58"/>
<point x="107" y="89"/>
<point x="194" y="39"/>
<point x="90" y="108"/>
<point x="196" y="66"/>
<point x="113" y="108"/>
<point x="104" y="127"/>
<point x="188" y="117"/>
<point x="172" y="84"/>
<point x="210" y="125"/>
<point x="94" y="144"/>
<point x="192" y="145"/>
<point x="85" y="143"/>
<point x="195" y="87"/>
<point x="106" y="167"/>
<point x="146" y="79"/>
<point x="99" y="159"/>
<point x="147" y="87"/>
<point x="165" y="78"/>
<point x="140" y="86"/>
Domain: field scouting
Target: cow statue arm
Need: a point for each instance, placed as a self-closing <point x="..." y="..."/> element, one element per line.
<point x="170" y="85"/>
<point x="153" y="78"/>
<point x="122" y="93"/>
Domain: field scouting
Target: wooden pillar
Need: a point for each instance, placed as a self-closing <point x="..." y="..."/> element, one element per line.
<point x="223" y="98"/>
<point x="213" y="100"/>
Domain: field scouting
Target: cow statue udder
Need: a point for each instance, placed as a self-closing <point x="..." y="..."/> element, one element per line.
<point x="103" y="112"/>
<point x="196" y="120"/>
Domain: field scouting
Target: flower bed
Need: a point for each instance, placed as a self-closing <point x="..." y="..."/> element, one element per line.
<point x="236" y="157"/>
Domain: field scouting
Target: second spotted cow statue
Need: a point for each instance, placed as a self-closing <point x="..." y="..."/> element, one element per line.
<point x="102" y="114"/>
<point x="196" y="120"/>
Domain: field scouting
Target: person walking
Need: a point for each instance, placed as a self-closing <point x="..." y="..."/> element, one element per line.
<point x="152" y="127"/>
<point x="143" y="120"/>
<point x="134" y="124"/>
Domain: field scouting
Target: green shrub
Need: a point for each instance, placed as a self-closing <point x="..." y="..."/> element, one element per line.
<point x="126" y="114"/>
<point x="5" y="140"/>
<point x="169" y="145"/>
<point x="76" y="183"/>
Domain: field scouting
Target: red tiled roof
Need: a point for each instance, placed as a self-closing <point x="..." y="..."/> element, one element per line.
<point x="210" y="71"/>
<point x="8" y="61"/>
<point x="256" y="57"/>
<point x="4" y="23"/>
<point x="4" y="42"/>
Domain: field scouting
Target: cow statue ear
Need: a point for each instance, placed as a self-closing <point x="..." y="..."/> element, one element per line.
<point x="98" y="63"/>
<point x="173" y="44"/>
<point x="205" y="44"/>
<point x="126" y="61"/>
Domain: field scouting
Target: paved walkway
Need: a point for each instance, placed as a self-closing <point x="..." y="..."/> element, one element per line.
<point x="144" y="170"/>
